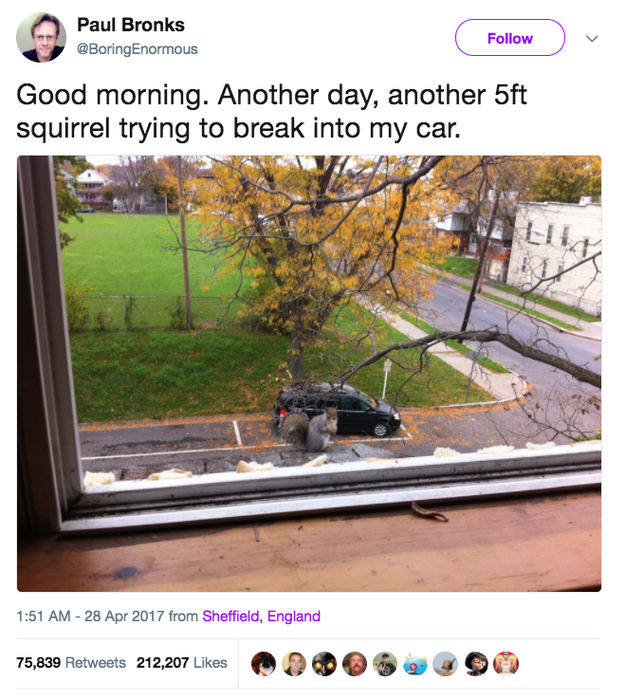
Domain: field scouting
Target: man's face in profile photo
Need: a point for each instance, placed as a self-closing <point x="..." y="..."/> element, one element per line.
<point x="295" y="664"/>
<point x="44" y="32"/>
<point x="356" y="665"/>
<point x="44" y="39"/>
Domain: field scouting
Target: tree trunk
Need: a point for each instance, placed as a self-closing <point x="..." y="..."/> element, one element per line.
<point x="480" y="265"/>
<point x="296" y="355"/>
<point x="185" y="258"/>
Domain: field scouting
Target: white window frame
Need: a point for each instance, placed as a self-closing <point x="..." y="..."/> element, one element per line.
<point x="549" y="234"/>
<point x="50" y="483"/>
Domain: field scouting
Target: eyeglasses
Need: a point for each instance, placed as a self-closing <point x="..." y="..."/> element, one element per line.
<point x="41" y="37"/>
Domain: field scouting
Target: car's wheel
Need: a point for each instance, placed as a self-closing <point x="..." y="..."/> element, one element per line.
<point x="381" y="430"/>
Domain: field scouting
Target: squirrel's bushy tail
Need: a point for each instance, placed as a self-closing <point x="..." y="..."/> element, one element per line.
<point x="294" y="428"/>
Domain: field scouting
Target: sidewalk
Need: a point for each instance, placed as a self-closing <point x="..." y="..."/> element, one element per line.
<point x="591" y="331"/>
<point x="504" y="387"/>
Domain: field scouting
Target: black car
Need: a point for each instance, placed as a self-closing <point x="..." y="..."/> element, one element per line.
<point x="358" y="412"/>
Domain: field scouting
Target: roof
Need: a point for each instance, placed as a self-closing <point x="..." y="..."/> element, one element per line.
<point x="579" y="205"/>
<point x="92" y="175"/>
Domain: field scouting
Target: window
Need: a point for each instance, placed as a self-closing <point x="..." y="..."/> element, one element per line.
<point x="352" y="403"/>
<point x="50" y="467"/>
<point x="543" y="273"/>
<point x="585" y="248"/>
<point x="524" y="264"/>
<point x="549" y="234"/>
<point x="565" y="236"/>
<point x="560" y="268"/>
<point x="528" y="233"/>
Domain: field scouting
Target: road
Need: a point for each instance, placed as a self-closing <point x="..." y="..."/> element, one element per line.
<point x="446" y="310"/>
<point x="553" y="392"/>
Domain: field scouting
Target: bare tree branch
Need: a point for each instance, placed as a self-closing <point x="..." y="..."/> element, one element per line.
<point x="559" y="274"/>
<point x="581" y="373"/>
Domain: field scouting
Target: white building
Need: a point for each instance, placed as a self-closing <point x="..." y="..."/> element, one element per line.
<point x="90" y="186"/>
<point x="469" y="227"/>
<point x="550" y="238"/>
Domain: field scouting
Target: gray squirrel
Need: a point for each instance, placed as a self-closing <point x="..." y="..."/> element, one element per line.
<point x="296" y="428"/>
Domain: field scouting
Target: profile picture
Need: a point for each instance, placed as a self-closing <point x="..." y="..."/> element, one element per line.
<point x="294" y="664"/>
<point x="354" y="663"/>
<point x="324" y="663"/>
<point x="263" y="663"/>
<point x="415" y="665"/>
<point x="477" y="663"/>
<point x="445" y="663"/>
<point x="41" y="37"/>
<point x="506" y="663"/>
<point x="384" y="663"/>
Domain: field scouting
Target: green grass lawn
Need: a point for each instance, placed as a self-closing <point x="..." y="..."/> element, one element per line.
<point x="122" y="254"/>
<point x="166" y="374"/>
<point x="414" y="380"/>
<point x="457" y="265"/>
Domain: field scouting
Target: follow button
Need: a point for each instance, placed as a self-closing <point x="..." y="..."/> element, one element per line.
<point x="510" y="37"/>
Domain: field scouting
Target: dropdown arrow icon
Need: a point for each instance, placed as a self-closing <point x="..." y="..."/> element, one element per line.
<point x="589" y="39"/>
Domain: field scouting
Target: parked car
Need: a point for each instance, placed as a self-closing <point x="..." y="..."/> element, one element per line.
<point x="358" y="412"/>
<point x="86" y="210"/>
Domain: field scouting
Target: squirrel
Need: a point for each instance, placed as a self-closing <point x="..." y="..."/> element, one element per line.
<point x="296" y="428"/>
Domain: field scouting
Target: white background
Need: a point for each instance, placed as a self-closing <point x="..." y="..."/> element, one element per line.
<point x="572" y="109"/>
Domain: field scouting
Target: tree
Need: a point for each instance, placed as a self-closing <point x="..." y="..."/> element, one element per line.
<point x="134" y="179"/>
<point x="566" y="179"/>
<point x="166" y="183"/>
<point x="177" y="179"/>
<point x="185" y="170"/>
<point x="312" y="234"/>
<point x="67" y="204"/>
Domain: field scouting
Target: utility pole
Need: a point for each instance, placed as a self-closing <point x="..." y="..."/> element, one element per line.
<point x="480" y="265"/>
<point x="183" y="235"/>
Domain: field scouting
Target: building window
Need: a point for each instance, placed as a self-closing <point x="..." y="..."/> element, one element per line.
<point x="543" y="273"/>
<point x="528" y="235"/>
<point x="565" y="236"/>
<point x="585" y="250"/>
<point x="560" y="268"/>
<point x="549" y="234"/>
<point x="524" y="265"/>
